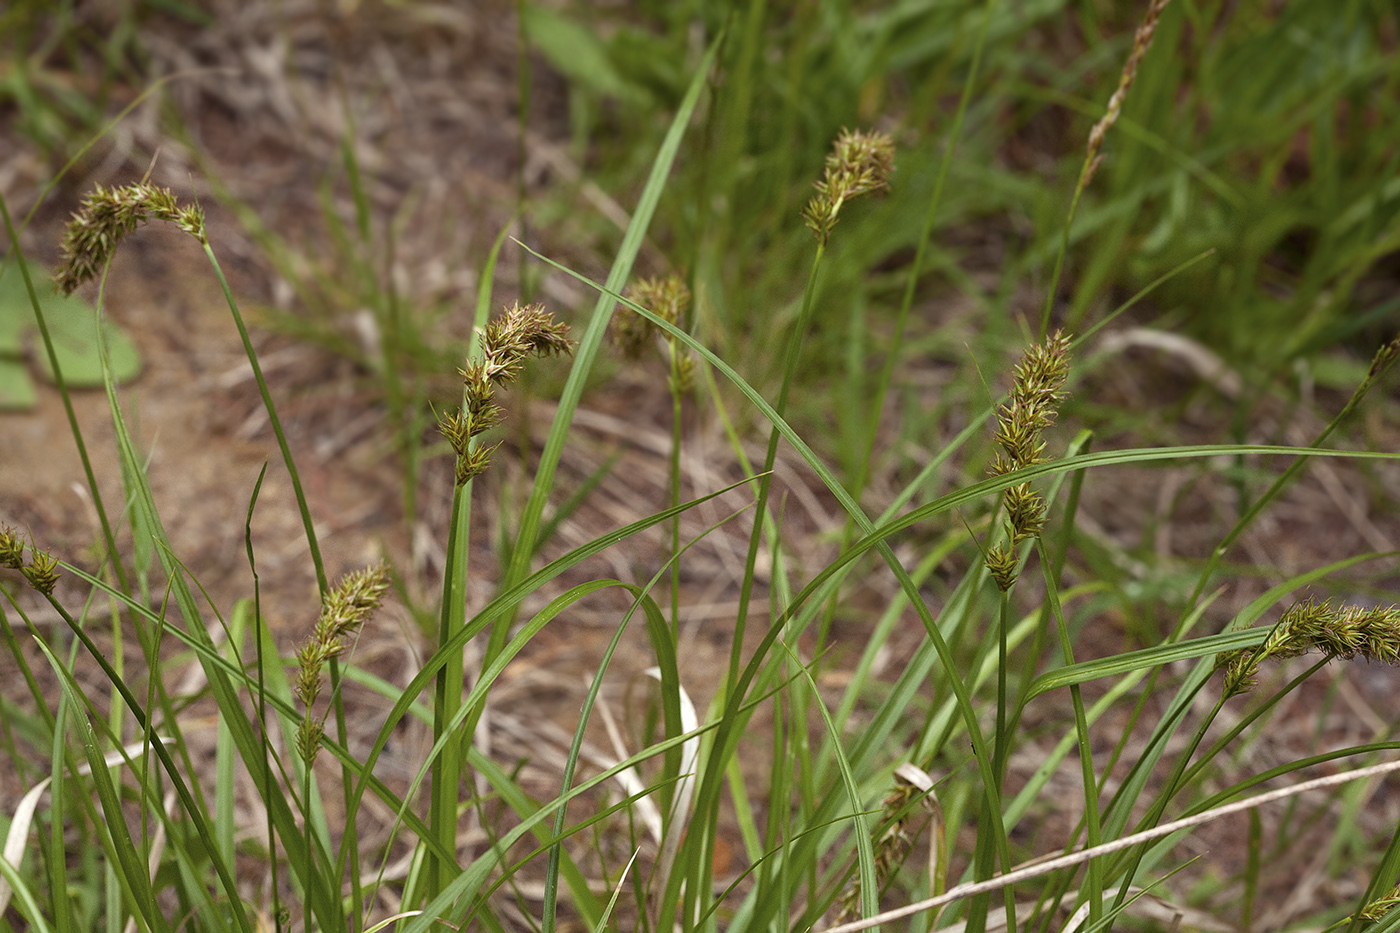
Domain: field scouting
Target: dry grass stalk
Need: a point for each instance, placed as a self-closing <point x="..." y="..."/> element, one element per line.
<point x="1142" y="41"/>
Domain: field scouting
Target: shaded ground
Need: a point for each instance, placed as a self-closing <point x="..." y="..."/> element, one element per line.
<point x="435" y="130"/>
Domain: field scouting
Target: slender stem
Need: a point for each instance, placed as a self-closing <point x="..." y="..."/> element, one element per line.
<point x="350" y="840"/>
<point x="447" y="692"/>
<point x="1081" y="723"/>
<point x="675" y="483"/>
<point x="1084" y="175"/>
<point x="276" y="423"/>
<point x="765" y="479"/>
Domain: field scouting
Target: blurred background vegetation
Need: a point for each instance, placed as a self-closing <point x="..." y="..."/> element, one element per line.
<point x="1266" y="132"/>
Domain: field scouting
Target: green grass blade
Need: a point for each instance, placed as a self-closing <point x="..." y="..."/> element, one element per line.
<point x="587" y="349"/>
<point x="1239" y="636"/>
<point x="131" y="866"/>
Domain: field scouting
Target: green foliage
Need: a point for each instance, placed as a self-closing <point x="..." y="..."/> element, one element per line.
<point x="73" y="328"/>
<point x="61" y="61"/>
<point x="1268" y="138"/>
<point x="717" y="147"/>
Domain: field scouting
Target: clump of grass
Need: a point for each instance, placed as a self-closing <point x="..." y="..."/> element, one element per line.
<point x="827" y="838"/>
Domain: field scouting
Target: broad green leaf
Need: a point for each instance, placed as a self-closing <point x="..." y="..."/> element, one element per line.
<point x="72" y="324"/>
<point x="16" y="390"/>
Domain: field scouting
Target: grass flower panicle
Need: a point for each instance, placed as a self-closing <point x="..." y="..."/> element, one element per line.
<point x="106" y="216"/>
<point x="859" y="163"/>
<point x="345" y="608"/>
<point x="667" y="298"/>
<point x="1036" y="393"/>
<point x="523" y="331"/>
<point x="1371" y="632"/>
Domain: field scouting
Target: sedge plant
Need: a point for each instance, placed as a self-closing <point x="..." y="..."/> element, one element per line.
<point x="853" y="770"/>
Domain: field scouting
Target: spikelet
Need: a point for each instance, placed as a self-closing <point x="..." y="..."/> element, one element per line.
<point x="860" y="163"/>
<point x="523" y="331"/>
<point x="1036" y="394"/>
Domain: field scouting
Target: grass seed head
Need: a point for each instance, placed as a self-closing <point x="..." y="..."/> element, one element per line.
<point x="1371" y="632"/>
<point x="667" y="298"/>
<point x="523" y="331"/>
<point x="1142" y="41"/>
<point x="1036" y="394"/>
<point x="41" y="572"/>
<point x="1001" y="564"/>
<point x="309" y="739"/>
<point x="343" y="610"/>
<point x="11" y="548"/>
<point x="892" y="845"/>
<point x="860" y="163"/>
<point x="1383" y="359"/>
<point x="1381" y="905"/>
<point x="104" y="219"/>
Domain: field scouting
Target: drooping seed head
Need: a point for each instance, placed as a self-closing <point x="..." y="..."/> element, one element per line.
<point x="106" y="217"/>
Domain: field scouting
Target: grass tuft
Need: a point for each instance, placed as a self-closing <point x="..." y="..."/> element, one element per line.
<point x="862" y="702"/>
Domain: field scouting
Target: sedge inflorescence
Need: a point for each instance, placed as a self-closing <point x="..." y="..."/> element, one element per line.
<point x="860" y="163"/>
<point x="523" y="331"/>
<point x="1036" y="394"/>
<point x="41" y="571"/>
<point x="343" y="610"/>
<point x="1142" y="41"/>
<point x="667" y="298"/>
<point x="106" y="216"/>
<point x="912" y="797"/>
<point x="1339" y="631"/>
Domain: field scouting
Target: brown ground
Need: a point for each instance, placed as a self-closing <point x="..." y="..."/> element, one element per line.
<point x="435" y="129"/>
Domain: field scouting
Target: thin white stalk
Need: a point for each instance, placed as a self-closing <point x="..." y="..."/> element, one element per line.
<point x="1074" y="858"/>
